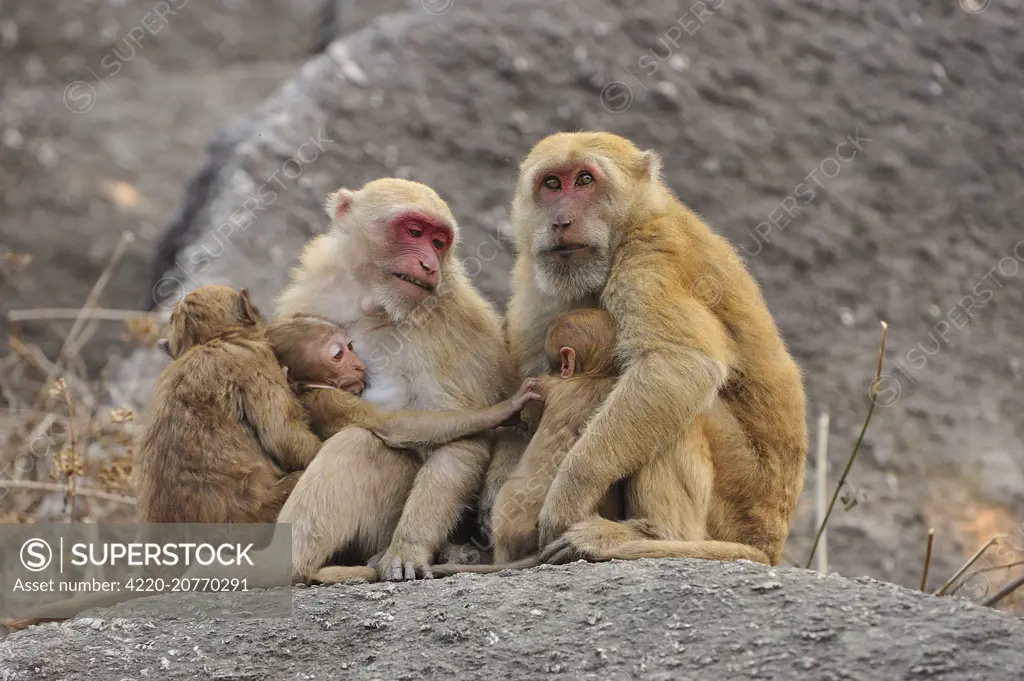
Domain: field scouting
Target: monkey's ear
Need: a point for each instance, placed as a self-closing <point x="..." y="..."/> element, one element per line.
<point x="247" y="311"/>
<point x="650" y="164"/>
<point x="568" y="362"/>
<point x="339" y="203"/>
<point x="165" y="345"/>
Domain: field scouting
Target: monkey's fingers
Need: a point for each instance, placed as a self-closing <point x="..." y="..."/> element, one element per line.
<point x="398" y="571"/>
<point x="530" y="397"/>
<point x="530" y="387"/>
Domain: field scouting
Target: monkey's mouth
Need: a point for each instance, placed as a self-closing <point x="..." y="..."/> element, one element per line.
<point x="414" y="281"/>
<point x="567" y="249"/>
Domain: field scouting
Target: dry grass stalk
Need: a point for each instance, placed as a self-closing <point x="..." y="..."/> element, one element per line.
<point x="1004" y="592"/>
<point x="73" y="341"/>
<point x="856" y="447"/>
<point x="45" y="313"/>
<point x="55" y="487"/>
<point x="973" y="559"/>
<point x="927" y="558"/>
<point x="68" y="463"/>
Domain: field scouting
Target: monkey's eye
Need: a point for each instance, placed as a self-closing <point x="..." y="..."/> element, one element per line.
<point x="438" y="244"/>
<point x="337" y="352"/>
<point x="351" y="349"/>
<point x="553" y="183"/>
<point x="584" y="178"/>
<point x="413" y="232"/>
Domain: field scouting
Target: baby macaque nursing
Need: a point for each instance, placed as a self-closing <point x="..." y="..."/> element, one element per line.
<point x="580" y="350"/>
<point x="323" y="367"/>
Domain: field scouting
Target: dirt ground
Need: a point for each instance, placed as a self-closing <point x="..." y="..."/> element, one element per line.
<point x="865" y="157"/>
<point x="683" y="620"/>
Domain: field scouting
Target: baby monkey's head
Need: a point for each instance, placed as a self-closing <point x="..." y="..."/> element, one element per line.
<point x="207" y="313"/>
<point x="316" y="350"/>
<point x="582" y="342"/>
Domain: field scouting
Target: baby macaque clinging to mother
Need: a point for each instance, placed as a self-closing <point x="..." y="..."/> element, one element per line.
<point x="324" y="368"/>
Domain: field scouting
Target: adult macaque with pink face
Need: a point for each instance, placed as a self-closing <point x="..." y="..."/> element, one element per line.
<point x="418" y="243"/>
<point x="386" y="271"/>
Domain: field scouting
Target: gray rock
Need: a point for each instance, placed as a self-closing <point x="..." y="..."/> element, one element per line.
<point x="620" y="621"/>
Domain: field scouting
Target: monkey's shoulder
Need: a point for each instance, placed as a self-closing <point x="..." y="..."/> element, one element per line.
<point x="219" y="370"/>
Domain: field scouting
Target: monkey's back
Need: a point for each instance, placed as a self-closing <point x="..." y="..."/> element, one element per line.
<point x="569" y="404"/>
<point x="198" y="460"/>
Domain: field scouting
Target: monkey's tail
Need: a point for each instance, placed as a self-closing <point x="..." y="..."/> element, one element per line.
<point x="338" y="574"/>
<point x="25" y="622"/>
<point x="449" y="569"/>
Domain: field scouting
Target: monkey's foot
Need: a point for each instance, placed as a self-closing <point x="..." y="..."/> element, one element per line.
<point x="593" y="540"/>
<point x="400" y="565"/>
<point x="562" y="551"/>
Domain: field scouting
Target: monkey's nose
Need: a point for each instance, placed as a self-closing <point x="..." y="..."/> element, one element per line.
<point x="561" y="223"/>
<point x="427" y="267"/>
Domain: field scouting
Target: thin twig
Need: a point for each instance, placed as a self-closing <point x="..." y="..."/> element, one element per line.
<point x="73" y="475"/>
<point x="856" y="447"/>
<point x="927" y="557"/>
<point x="6" y="278"/>
<point x="821" y="490"/>
<point x="1005" y="566"/>
<point x="55" y="487"/>
<point x="973" y="559"/>
<point x="73" y="313"/>
<point x="97" y="290"/>
<point x="1005" y="591"/>
<point x="35" y="357"/>
<point x="90" y="302"/>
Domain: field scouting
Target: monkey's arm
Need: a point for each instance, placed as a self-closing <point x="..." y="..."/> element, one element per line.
<point x="330" y="410"/>
<point x="275" y="416"/>
<point x="669" y="380"/>
<point x="422" y="430"/>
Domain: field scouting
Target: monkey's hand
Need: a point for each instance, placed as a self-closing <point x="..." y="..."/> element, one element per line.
<point x="400" y="563"/>
<point x="528" y="392"/>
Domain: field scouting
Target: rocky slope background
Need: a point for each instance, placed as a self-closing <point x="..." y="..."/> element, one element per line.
<point x="865" y="157"/>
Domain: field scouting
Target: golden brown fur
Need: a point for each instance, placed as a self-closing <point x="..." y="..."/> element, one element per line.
<point x="707" y="417"/>
<point x="579" y="348"/>
<point x="423" y="352"/>
<point x="224" y="440"/>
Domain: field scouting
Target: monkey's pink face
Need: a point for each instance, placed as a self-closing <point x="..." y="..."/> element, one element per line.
<point x="565" y="195"/>
<point x="344" y="367"/>
<point x="415" y="252"/>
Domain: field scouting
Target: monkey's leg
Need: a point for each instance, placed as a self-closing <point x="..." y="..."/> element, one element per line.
<point x="669" y="501"/>
<point x="673" y="491"/>
<point x="506" y="451"/>
<point x="598" y="539"/>
<point x="352" y="494"/>
<point x="444" y="486"/>
<point x="516" y="511"/>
